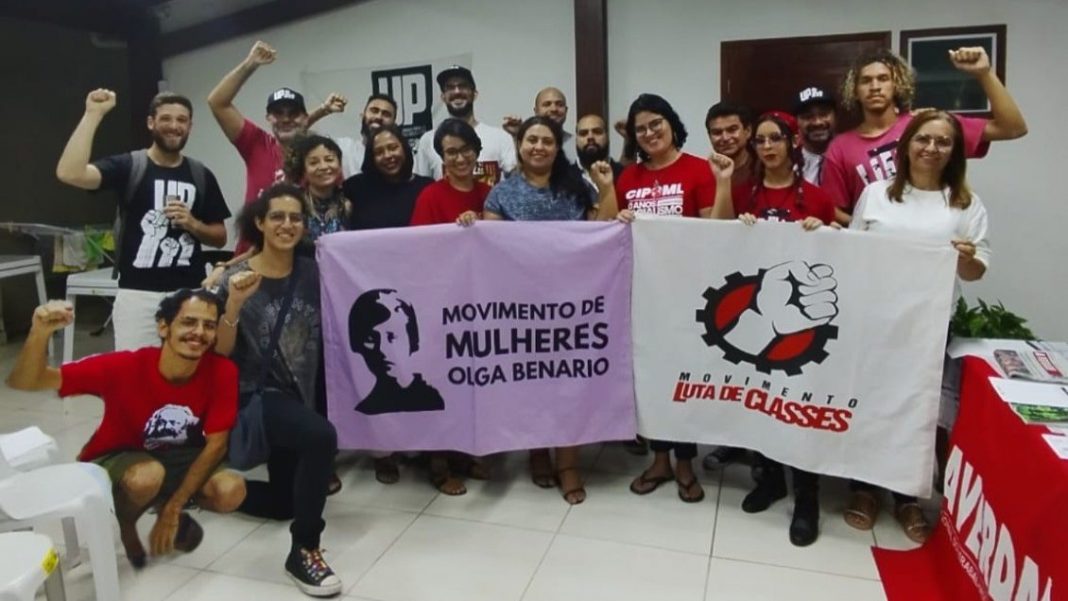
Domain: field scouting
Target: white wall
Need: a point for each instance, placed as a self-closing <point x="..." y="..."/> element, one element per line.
<point x="672" y="48"/>
<point x="517" y="48"/>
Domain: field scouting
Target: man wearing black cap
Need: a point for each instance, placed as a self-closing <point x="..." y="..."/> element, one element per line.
<point x="814" y="111"/>
<point x="458" y="92"/>
<point x="261" y="151"/>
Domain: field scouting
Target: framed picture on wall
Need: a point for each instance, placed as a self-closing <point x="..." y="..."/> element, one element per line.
<point x="938" y="83"/>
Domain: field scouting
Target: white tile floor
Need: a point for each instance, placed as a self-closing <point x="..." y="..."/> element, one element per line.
<point x="505" y="540"/>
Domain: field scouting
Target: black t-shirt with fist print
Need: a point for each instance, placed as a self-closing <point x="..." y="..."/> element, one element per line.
<point x="156" y="255"/>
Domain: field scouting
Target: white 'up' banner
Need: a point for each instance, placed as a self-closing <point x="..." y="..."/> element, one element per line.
<point x="822" y="350"/>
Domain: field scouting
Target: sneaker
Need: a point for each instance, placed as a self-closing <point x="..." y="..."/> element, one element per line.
<point x="311" y="573"/>
<point x="722" y="457"/>
<point x="189" y="534"/>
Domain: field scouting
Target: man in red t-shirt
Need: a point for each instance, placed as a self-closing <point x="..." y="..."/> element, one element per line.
<point x="262" y="151"/>
<point x="881" y="86"/>
<point x="168" y="411"/>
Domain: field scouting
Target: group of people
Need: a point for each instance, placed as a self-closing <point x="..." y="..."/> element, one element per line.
<point x="171" y="395"/>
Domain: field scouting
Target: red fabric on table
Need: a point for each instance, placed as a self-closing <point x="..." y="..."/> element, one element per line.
<point x="1026" y="487"/>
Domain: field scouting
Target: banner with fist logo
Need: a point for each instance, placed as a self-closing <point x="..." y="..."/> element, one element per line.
<point x="822" y="350"/>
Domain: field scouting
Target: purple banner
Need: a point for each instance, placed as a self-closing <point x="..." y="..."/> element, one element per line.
<point x="496" y="337"/>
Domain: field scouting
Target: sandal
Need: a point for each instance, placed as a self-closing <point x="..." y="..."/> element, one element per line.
<point x="685" y="489"/>
<point x="334" y="485"/>
<point x="862" y="511"/>
<point x="913" y="522"/>
<point x="541" y="469"/>
<point x="386" y="470"/>
<point x="574" y="495"/>
<point x="443" y="479"/>
<point x="448" y="484"/>
<point x="471" y="466"/>
<point x="645" y="484"/>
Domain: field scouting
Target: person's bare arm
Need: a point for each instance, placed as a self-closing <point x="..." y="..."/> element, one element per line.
<point x="165" y="529"/>
<point x="607" y="207"/>
<point x="74" y="168"/>
<point x="1006" y="122"/>
<point x="334" y="103"/>
<point x="31" y="371"/>
<point x="241" y="286"/>
<point x="723" y="206"/>
<point x="221" y="99"/>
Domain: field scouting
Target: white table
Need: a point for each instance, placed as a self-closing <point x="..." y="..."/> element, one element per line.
<point x="98" y="282"/>
<point x="13" y="265"/>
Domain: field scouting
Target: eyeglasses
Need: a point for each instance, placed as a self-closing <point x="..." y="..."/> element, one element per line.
<point x="652" y="127"/>
<point x="281" y="217"/>
<point x="773" y="139"/>
<point x="942" y="143"/>
<point x="454" y="153"/>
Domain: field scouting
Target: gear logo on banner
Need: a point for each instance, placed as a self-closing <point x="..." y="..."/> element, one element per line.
<point x="777" y="319"/>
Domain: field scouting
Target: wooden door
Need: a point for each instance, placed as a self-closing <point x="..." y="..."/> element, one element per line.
<point x="767" y="74"/>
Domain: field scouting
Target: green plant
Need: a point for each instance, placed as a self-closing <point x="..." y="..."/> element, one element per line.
<point x="988" y="321"/>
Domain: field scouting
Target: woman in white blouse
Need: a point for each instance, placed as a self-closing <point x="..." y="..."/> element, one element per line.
<point x="928" y="198"/>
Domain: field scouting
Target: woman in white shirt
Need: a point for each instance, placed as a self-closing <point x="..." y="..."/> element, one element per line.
<point x="928" y="198"/>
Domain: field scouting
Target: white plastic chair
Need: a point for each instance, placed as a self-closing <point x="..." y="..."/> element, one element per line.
<point x="54" y="492"/>
<point x="30" y="560"/>
<point x="29" y="449"/>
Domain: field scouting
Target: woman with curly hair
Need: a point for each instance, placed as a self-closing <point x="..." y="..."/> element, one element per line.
<point x="882" y="86"/>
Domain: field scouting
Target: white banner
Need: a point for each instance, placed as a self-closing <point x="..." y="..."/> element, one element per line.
<point x="822" y="350"/>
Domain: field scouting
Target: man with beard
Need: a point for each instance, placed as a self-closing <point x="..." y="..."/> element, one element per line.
<point x="881" y="86"/>
<point x="169" y="205"/>
<point x="380" y="110"/>
<point x="550" y="102"/>
<point x="497" y="157"/>
<point x="168" y="410"/>
<point x="814" y="112"/>
<point x="262" y="152"/>
<point x="591" y="144"/>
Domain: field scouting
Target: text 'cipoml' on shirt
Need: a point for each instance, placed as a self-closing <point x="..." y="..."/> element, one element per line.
<point x="682" y="189"/>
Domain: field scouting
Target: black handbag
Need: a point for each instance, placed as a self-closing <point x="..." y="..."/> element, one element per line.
<point x="248" y="437"/>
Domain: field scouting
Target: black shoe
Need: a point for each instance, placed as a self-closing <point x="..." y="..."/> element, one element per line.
<point x="805" y="525"/>
<point x="722" y="457"/>
<point x="311" y="573"/>
<point x="767" y="491"/>
<point x="189" y="534"/>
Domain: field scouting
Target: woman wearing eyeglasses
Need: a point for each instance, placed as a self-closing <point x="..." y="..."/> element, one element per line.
<point x="455" y="198"/>
<point x="668" y="181"/>
<point x="780" y="193"/>
<point x="928" y="198"/>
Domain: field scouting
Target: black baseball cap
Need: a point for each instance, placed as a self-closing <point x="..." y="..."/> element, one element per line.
<point x="286" y="96"/>
<point x="813" y="95"/>
<point x="455" y="71"/>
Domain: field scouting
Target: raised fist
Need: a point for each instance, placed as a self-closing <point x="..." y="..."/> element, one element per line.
<point x="511" y="124"/>
<point x="154" y="224"/>
<point x="261" y="54"/>
<point x="335" y="103"/>
<point x="601" y="174"/>
<point x="722" y="165"/>
<point x="793" y="297"/>
<point x="51" y="316"/>
<point x="100" y="101"/>
<point x="973" y="60"/>
<point x="241" y="286"/>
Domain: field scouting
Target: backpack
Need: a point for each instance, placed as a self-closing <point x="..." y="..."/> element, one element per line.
<point x="138" y="167"/>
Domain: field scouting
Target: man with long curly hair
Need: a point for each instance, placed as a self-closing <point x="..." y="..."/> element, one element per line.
<point x="881" y="85"/>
